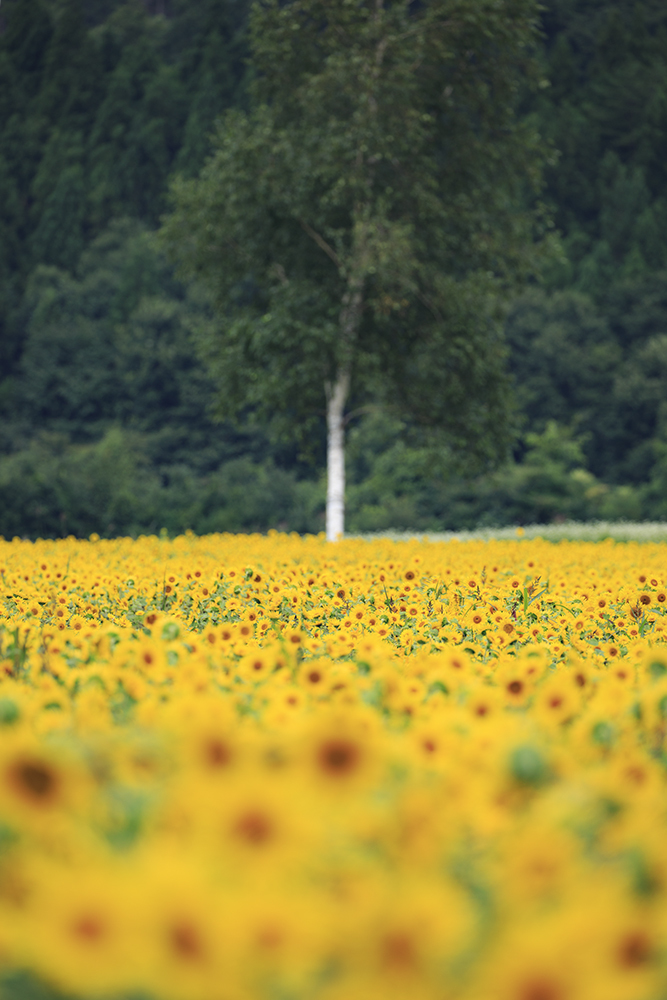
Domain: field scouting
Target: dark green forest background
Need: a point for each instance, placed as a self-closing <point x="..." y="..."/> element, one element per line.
<point x="105" y="410"/>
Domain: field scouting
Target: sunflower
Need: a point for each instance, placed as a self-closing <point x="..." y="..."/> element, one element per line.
<point x="32" y="781"/>
<point x="87" y="939"/>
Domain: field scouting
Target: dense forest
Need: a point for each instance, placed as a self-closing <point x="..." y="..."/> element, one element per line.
<point x="107" y="417"/>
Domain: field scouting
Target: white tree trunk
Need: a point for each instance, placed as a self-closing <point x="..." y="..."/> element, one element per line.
<point x="336" y="397"/>
<point x="336" y="394"/>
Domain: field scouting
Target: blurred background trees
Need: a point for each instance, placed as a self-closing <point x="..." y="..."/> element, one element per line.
<point x="105" y="409"/>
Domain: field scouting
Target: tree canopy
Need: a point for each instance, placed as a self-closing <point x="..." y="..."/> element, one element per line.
<point x="358" y="224"/>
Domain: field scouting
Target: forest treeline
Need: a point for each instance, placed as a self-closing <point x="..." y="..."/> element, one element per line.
<point x="106" y="413"/>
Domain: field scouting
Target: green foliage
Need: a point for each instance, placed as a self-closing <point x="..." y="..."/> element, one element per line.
<point x="242" y="496"/>
<point x="26" y="986"/>
<point x="550" y="482"/>
<point x="110" y="345"/>
<point x="54" y="489"/>
<point x="606" y="112"/>
<point x="600" y="367"/>
<point x="95" y="339"/>
<point x="102" y="100"/>
<point x="108" y="368"/>
<point x="393" y="485"/>
<point x="364" y="216"/>
<point x="51" y="490"/>
<point x="92" y="119"/>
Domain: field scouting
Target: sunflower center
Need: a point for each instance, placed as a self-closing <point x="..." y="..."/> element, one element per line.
<point x="35" y="778"/>
<point x="339" y="757"/>
<point x="254" y="827"/>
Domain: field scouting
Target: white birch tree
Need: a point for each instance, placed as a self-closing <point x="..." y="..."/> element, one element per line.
<point x="358" y="225"/>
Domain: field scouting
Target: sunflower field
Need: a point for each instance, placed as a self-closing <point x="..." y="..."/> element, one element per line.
<point x="272" y="768"/>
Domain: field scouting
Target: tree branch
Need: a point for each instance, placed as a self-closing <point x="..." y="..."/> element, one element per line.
<point x="321" y="242"/>
<point x="361" y="410"/>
